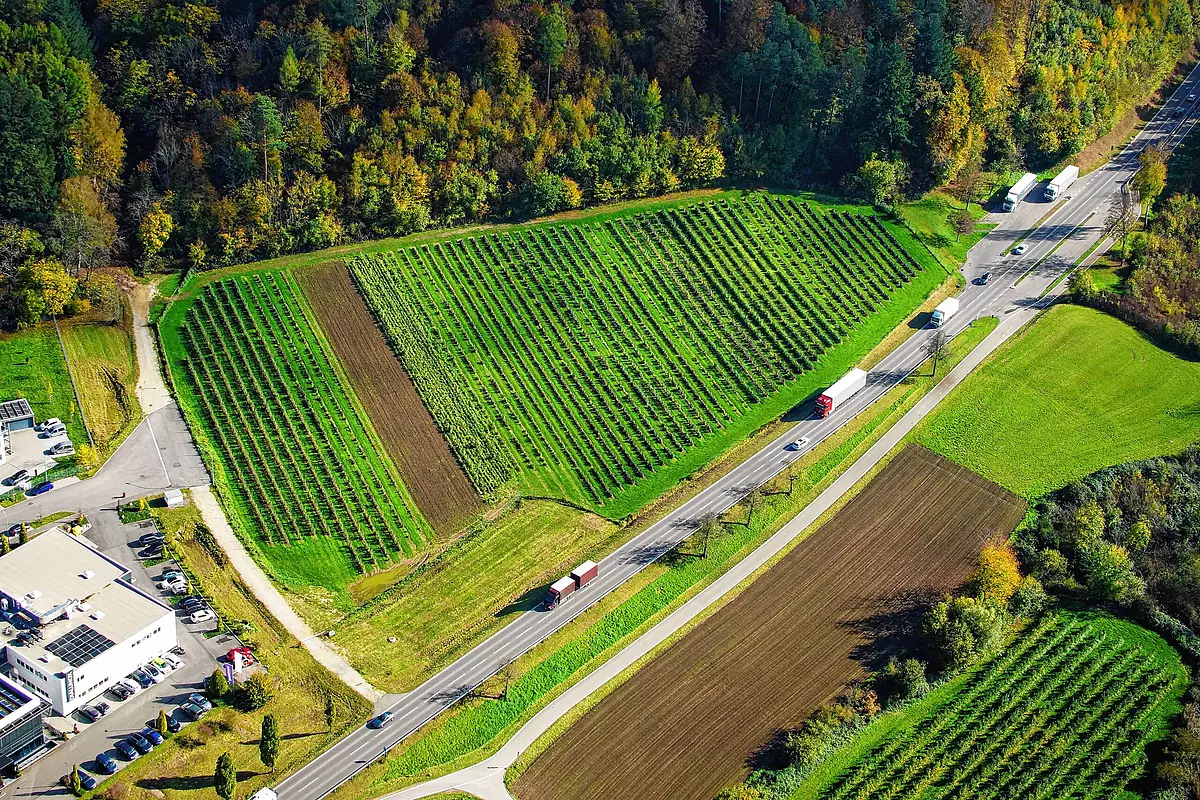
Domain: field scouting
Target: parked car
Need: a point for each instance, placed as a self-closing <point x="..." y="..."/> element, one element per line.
<point x="203" y="615"/>
<point x="16" y="477"/>
<point x="191" y="604"/>
<point x="131" y="684"/>
<point x="48" y="423"/>
<point x="127" y="750"/>
<point x="120" y="691"/>
<point x="200" y="700"/>
<point x="141" y="743"/>
<point x="91" y="712"/>
<point x="173" y="661"/>
<point x="154" y="736"/>
<point x="192" y="711"/>
<point x="14" y="530"/>
<point x="382" y="721"/>
<point x="106" y="764"/>
<point x="149" y="539"/>
<point x="50" y="433"/>
<point x="41" y="488"/>
<point x="143" y="678"/>
<point x="62" y="449"/>
<point x="173" y="724"/>
<point x="86" y="781"/>
<point x="156" y="674"/>
<point x="173" y="574"/>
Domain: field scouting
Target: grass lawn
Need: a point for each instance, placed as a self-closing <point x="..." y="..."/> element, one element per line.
<point x="1080" y="682"/>
<point x="1075" y="392"/>
<point x="1108" y="273"/>
<point x="930" y="220"/>
<point x="105" y="366"/>
<point x="32" y="366"/>
<point x="475" y="728"/>
<point x="183" y="768"/>
<point x="482" y="578"/>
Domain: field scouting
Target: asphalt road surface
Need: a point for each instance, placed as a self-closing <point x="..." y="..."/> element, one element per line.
<point x="1016" y="282"/>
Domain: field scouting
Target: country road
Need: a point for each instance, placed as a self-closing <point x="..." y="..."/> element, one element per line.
<point x="1017" y="283"/>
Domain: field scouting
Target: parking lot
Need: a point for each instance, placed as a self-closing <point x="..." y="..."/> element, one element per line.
<point x="200" y="657"/>
<point x="30" y="453"/>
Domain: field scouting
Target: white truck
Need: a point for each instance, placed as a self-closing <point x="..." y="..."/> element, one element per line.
<point x="1021" y="188"/>
<point x="1062" y="182"/>
<point x="835" y="395"/>
<point x="945" y="309"/>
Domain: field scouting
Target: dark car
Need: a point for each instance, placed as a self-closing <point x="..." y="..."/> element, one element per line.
<point x="154" y="736"/>
<point x="121" y="691"/>
<point x="15" y="530"/>
<point x="200" y="700"/>
<point x="91" y="712"/>
<point x="173" y="724"/>
<point x="142" y="677"/>
<point x="150" y="539"/>
<point x="192" y="711"/>
<point x="106" y="764"/>
<point x="191" y="604"/>
<point x="86" y="781"/>
<point x="984" y="278"/>
<point x="127" y="751"/>
<point x="41" y="488"/>
<point x="382" y="721"/>
<point x="142" y="744"/>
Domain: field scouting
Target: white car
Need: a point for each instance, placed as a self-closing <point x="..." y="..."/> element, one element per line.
<point x="62" y="449"/>
<point x="203" y="615"/>
<point x="173" y="661"/>
<point x="48" y="423"/>
<point x="130" y="684"/>
<point x="1192" y="97"/>
<point x="1020" y="249"/>
<point x="800" y="443"/>
<point x="156" y="674"/>
<point x="51" y="432"/>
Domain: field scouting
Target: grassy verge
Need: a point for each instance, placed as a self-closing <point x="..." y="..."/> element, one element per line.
<point x="930" y="220"/>
<point x="105" y="369"/>
<point x="32" y="366"/>
<point x="184" y="767"/>
<point x="476" y="727"/>
<point x="1073" y="393"/>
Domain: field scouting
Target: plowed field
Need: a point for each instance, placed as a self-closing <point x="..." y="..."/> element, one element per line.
<point x="432" y="476"/>
<point x="685" y="725"/>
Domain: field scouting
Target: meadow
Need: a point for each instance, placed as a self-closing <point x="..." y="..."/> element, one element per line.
<point x="32" y="365"/>
<point x="1067" y="710"/>
<point x="105" y="366"/>
<point x="301" y="469"/>
<point x="601" y="360"/>
<point x="1075" y="392"/>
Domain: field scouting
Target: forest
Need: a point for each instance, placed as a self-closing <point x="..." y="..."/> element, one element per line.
<point x="192" y="134"/>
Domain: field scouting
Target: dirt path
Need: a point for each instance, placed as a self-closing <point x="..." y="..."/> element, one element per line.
<point x="151" y="388"/>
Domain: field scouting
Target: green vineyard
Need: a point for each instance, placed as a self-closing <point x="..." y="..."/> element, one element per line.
<point x="1066" y="712"/>
<point x="600" y="361"/>
<point x="272" y="405"/>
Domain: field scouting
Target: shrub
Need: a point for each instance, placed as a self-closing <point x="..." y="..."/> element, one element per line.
<point x="910" y="678"/>
<point x="254" y="693"/>
<point x="963" y="629"/>
<point x="996" y="576"/>
<point x="218" y="686"/>
<point x="1030" y="599"/>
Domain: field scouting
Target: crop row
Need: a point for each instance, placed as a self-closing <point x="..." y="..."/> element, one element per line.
<point x="579" y="359"/>
<point x="1064" y="713"/>
<point x="282" y="421"/>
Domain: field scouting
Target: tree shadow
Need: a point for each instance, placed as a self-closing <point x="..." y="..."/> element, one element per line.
<point x="892" y="627"/>
<point x="191" y="783"/>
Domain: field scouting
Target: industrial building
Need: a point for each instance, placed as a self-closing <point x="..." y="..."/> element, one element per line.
<point x="15" y="415"/>
<point x="73" y="621"/>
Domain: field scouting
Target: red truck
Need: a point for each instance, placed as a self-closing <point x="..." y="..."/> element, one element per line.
<point x="562" y="588"/>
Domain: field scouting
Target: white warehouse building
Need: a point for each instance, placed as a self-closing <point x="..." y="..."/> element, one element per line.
<point x="74" y="622"/>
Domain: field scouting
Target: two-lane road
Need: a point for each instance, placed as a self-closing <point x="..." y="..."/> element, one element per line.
<point x="1074" y="225"/>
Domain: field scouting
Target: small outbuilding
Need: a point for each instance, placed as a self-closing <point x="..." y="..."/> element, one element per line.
<point x="173" y="498"/>
<point x="15" y="415"/>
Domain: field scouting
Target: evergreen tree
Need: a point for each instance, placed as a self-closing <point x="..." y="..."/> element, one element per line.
<point x="268" y="742"/>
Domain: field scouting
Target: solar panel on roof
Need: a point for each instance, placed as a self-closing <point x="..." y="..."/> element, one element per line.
<point x="14" y="409"/>
<point x="80" y="645"/>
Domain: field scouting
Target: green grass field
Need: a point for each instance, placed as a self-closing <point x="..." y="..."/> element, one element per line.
<point x="1067" y="710"/>
<point x="32" y="366"/>
<point x="105" y="366"/>
<point x="930" y="219"/>
<point x="1076" y="391"/>
<point x="299" y="465"/>
<point x="601" y="360"/>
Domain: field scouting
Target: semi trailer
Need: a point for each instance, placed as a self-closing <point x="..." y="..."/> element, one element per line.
<point x="945" y="309"/>
<point x="1021" y="188"/>
<point x="567" y="585"/>
<point x="1062" y="182"/>
<point x="835" y="395"/>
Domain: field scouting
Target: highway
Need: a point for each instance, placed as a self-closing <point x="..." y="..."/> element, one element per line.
<point x="1053" y="247"/>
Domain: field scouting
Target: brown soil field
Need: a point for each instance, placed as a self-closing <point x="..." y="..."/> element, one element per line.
<point x="417" y="447"/>
<point x="689" y="722"/>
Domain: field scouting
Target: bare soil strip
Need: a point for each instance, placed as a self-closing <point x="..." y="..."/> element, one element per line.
<point x="687" y="724"/>
<point x="430" y="472"/>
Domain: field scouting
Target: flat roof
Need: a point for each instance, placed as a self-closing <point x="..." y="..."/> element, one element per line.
<point x="75" y="597"/>
<point x="15" y="409"/>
